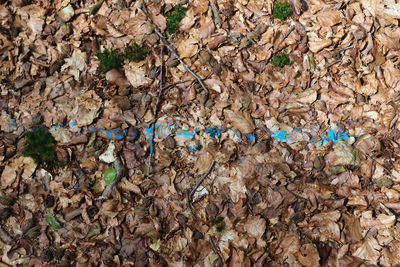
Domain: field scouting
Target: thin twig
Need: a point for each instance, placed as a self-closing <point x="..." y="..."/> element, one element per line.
<point x="189" y="203"/>
<point x="201" y="180"/>
<point x="386" y="169"/>
<point x="119" y="169"/>
<point x="173" y="84"/>
<point x="214" y="8"/>
<point x="173" y="51"/>
<point x="214" y="247"/>
<point x="155" y="109"/>
<point x="276" y="49"/>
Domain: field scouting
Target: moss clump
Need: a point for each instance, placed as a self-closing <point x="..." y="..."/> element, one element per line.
<point x="135" y="52"/>
<point x="219" y="224"/>
<point x="174" y="16"/>
<point x="281" y="10"/>
<point x="40" y="147"/>
<point x="280" y="60"/>
<point x="109" y="59"/>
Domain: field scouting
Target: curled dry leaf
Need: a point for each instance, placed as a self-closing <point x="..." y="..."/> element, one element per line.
<point x="207" y="27"/>
<point x="114" y="76"/>
<point x="255" y="227"/>
<point x="316" y="46"/>
<point x="241" y="120"/>
<point x="329" y="18"/>
<point x="308" y="255"/>
<point x="297" y="5"/>
<point x="390" y="39"/>
<point x="137" y="75"/>
<point x="21" y="167"/>
<point x="188" y="48"/>
<point x="343" y="154"/>
<point x="76" y="63"/>
<point x="369" y="251"/>
<point x="85" y="108"/>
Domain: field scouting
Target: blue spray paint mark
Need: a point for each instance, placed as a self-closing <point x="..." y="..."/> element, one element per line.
<point x="195" y="148"/>
<point x="332" y="136"/>
<point x="213" y="131"/>
<point x="282" y="135"/>
<point x="188" y="133"/>
<point x="251" y="136"/>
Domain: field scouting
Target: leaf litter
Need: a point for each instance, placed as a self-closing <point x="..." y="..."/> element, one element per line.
<point x="252" y="163"/>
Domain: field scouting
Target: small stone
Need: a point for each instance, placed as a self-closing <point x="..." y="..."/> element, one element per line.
<point x="204" y="57"/>
<point x="172" y="62"/>
<point x="319" y="163"/>
<point x="49" y="201"/>
<point x="197" y="235"/>
<point x="212" y="211"/>
<point x="169" y="142"/>
<point x="124" y="90"/>
<point x="384" y="182"/>
<point x="359" y="35"/>
<point x="37" y="119"/>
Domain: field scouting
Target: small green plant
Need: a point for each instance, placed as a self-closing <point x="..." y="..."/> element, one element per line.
<point x="135" y="52"/>
<point x="219" y="223"/>
<point x="281" y="10"/>
<point x="40" y="147"/>
<point x="174" y="16"/>
<point x="52" y="221"/>
<point x="109" y="59"/>
<point x="280" y="60"/>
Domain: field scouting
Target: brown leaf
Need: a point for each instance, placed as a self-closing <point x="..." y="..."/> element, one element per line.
<point x="308" y="255"/>
<point x="316" y="46"/>
<point x="114" y="76"/>
<point x="188" y="47"/>
<point x="297" y="5"/>
<point x="390" y="39"/>
<point x="241" y="120"/>
<point x="329" y="18"/>
<point x="207" y="27"/>
<point x="369" y="251"/>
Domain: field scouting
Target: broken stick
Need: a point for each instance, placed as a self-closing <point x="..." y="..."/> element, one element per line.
<point x="212" y="242"/>
<point x="155" y="110"/>
<point x="201" y="180"/>
<point x="119" y="169"/>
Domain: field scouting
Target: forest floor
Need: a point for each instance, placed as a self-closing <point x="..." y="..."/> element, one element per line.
<point x="203" y="150"/>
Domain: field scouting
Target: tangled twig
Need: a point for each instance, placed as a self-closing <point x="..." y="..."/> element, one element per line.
<point x="173" y="51"/>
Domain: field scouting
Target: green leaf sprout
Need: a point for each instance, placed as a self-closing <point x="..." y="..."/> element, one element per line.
<point x="109" y="175"/>
<point x="52" y="221"/>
